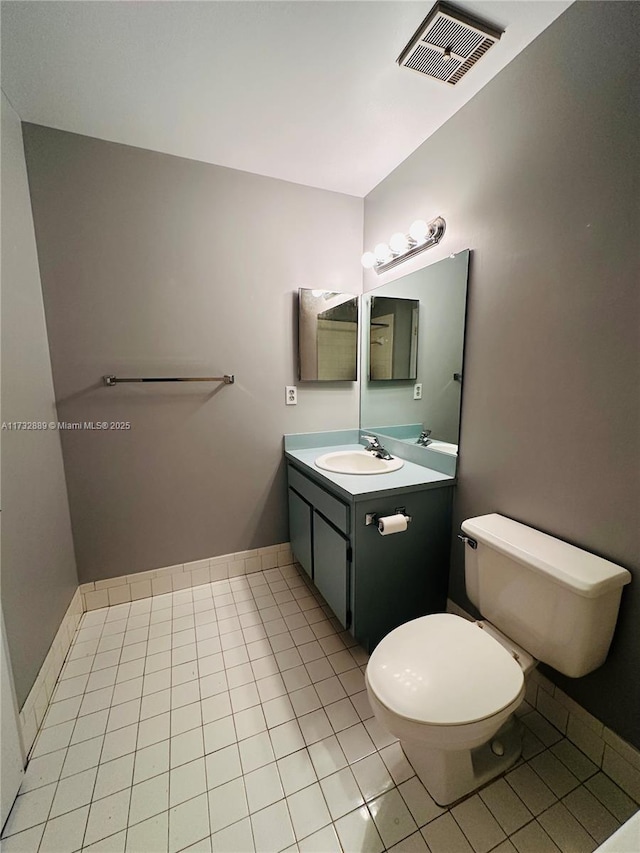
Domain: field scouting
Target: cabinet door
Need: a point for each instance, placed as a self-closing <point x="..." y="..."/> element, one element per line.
<point x="331" y="567"/>
<point x="300" y="531"/>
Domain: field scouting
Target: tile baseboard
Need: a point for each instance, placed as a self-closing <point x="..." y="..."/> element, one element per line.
<point x="608" y="751"/>
<point x="119" y="590"/>
<point x="37" y="702"/>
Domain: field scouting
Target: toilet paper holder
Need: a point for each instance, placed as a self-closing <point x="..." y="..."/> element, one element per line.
<point x="372" y="517"/>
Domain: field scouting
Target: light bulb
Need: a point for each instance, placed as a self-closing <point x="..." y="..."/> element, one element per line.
<point x="399" y="243"/>
<point x="382" y="252"/>
<point x="419" y="230"/>
<point x="368" y="260"/>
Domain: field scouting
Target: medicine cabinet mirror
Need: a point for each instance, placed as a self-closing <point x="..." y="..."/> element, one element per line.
<point x="433" y="302"/>
<point x="393" y="338"/>
<point x="327" y="336"/>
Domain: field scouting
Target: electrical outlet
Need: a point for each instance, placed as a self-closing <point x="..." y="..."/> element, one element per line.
<point x="417" y="391"/>
<point x="291" y="395"/>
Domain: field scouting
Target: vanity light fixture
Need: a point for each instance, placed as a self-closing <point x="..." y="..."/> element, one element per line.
<point x="422" y="235"/>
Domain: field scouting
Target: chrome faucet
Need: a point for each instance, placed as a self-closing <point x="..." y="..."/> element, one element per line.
<point x="374" y="446"/>
<point x="424" y="439"/>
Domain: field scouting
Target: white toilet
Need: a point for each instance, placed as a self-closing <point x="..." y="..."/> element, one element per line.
<point x="448" y="687"/>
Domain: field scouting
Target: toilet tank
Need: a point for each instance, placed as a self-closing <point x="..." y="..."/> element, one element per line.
<point x="557" y="601"/>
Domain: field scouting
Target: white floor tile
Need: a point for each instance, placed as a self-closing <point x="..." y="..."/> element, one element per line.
<point x="123" y="715"/>
<point x="315" y="726"/>
<point x="308" y="811"/>
<point x="531" y="789"/>
<point x="443" y="835"/>
<point x="255" y="752"/>
<point x="278" y="711"/>
<point x="155" y="704"/>
<point x="23" y="842"/>
<point x="187" y="781"/>
<point x="263" y="787"/>
<point x="227" y="804"/>
<point x="188" y="823"/>
<point x="341" y="793"/>
<point x="82" y="756"/>
<point x="505" y="805"/>
<point x="52" y="739"/>
<point x="222" y="766"/>
<point x="219" y="734"/>
<point x="372" y="776"/>
<point x="73" y="792"/>
<point x="151" y="761"/>
<point x="296" y="771"/>
<point x="154" y="730"/>
<point x="330" y="690"/>
<point x="286" y="739"/>
<point x="342" y="715"/>
<point x="357" y="833"/>
<point x="532" y="839"/>
<point x="237" y="838"/>
<point x="114" y="776"/>
<point x="478" y="824"/>
<point x="327" y="756"/>
<point x="589" y="811"/>
<point x="186" y="747"/>
<point x="186" y="718"/>
<point x="250" y="722"/>
<point x="323" y="841"/>
<point x="177" y="696"/>
<point x="272" y="830"/>
<point x="392" y="818"/>
<point x="562" y="827"/>
<point x="355" y="743"/>
<point x="107" y="816"/>
<point x="30" y="809"/>
<point x="42" y="771"/>
<point x="397" y="763"/>
<point x="554" y="773"/>
<point x="120" y="742"/>
<point x="65" y="832"/>
<point x="149" y="798"/>
<point x="150" y="836"/>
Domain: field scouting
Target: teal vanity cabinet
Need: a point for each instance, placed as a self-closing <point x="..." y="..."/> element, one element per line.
<point x="372" y="583"/>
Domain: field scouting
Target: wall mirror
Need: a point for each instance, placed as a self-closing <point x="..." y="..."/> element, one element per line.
<point x="327" y="336"/>
<point x="393" y="338"/>
<point x="437" y="296"/>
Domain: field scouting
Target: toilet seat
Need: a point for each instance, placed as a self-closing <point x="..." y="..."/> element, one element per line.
<point x="442" y="670"/>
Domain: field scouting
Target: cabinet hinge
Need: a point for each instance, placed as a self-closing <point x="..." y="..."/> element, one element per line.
<point x="349" y="554"/>
<point x="348" y="625"/>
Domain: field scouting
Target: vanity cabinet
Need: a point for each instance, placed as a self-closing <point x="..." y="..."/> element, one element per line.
<point x="372" y="583"/>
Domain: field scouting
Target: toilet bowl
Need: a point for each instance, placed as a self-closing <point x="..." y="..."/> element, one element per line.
<point x="447" y="689"/>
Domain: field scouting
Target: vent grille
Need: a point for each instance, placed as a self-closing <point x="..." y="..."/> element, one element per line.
<point x="447" y="44"/>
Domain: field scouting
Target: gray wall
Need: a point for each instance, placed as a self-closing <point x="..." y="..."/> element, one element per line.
<point x="155" y="265"/>
<point x="538" y="175"/>
<point x="38" y="564"/>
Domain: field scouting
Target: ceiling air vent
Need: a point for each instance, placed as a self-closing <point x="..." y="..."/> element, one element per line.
<point x="447" y="44"/>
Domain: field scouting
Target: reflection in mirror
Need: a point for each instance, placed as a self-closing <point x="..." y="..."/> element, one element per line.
<point x="393" y="338"/>
<point x="327" y="335"/>
<point x="389" y="408"/>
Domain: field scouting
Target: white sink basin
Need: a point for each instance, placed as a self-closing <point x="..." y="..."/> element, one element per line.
<point x="357" y="462"/>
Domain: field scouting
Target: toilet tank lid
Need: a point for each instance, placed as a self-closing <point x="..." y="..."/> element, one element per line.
<point x="584" y="573"/>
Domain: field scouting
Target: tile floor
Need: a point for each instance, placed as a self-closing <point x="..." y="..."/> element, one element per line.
<point x="233" y="717"/>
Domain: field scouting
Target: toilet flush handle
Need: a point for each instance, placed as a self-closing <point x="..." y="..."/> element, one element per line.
<point x="468" y="541"/>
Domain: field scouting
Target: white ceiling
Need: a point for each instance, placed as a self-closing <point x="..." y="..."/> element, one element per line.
<point x="304" y="91"/>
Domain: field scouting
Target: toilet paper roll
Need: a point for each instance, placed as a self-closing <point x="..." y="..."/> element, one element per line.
<point x="389" y="524"/>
